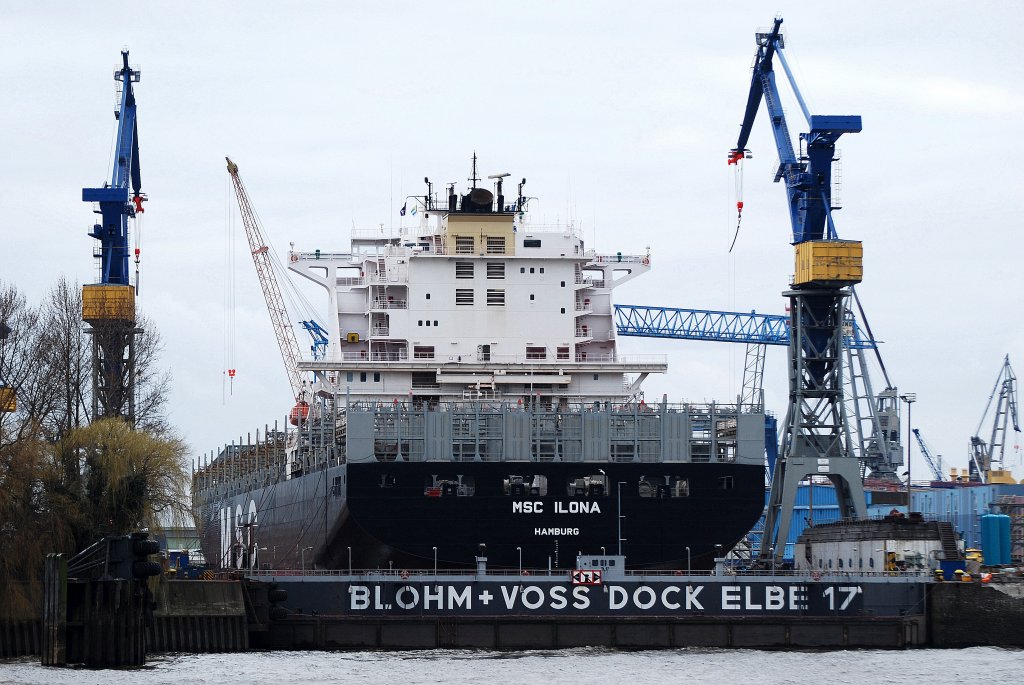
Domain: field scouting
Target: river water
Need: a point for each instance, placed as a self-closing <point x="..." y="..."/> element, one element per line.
<point x="575" y="666"/>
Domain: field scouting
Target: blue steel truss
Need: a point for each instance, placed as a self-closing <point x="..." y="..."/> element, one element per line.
<point x="704" y="324"/>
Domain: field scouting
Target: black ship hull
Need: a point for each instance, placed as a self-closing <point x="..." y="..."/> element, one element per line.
<point x="415" y="515"/>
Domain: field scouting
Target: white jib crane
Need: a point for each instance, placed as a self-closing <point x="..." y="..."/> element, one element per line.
<point x="261" y="257"/>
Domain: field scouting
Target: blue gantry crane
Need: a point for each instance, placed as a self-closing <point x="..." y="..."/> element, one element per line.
<point x="815" y="434"/>
<point x="109" y="305"/>
<point x="708" y="324"/>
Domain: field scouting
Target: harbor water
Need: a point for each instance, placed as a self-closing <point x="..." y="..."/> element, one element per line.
<point x="934" y="667"/>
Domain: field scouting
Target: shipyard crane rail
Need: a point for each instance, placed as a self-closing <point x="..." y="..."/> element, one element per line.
<point x="988" y="456"/>
<point x="287" y="343"/>
<point x="935" y="464"/>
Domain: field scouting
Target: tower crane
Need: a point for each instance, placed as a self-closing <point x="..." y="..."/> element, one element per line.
<point x="287" y="342"/>
<point x="986" y="462"/>
<point x="935" y="464"/>
<point x="815" y="435"/>
<point x="109" y="306"/>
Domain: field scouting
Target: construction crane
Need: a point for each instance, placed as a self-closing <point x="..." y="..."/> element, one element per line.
<point x="287" y="342"/>
<point x="815" y="435"/>
<point x="934" y="463"/>
<point x="986" y="459"/>
<point x="109" y="305"/>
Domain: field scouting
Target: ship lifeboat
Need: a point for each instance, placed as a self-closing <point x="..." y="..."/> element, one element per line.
<point x="299" y="413"/>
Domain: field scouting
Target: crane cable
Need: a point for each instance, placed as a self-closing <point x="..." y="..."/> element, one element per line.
<point x="738" y="162"/>
<point x="228" y="378"/>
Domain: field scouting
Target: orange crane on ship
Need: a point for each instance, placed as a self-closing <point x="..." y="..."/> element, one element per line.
<point x="287" y="342"/>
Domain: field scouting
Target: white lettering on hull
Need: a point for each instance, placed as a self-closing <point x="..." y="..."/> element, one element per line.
<point x="559" y="507"/>
<point x="749" y="598"/>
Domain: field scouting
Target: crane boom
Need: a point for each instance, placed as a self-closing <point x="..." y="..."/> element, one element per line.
<point x="988" y="456"/>
<point x="283" y="329"/>
<point x="936" y="465"/>
<point x="116" y="208"/>
<point x="809" y="175"/>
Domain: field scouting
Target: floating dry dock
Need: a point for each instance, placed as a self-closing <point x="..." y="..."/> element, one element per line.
<point x="598" y="605"/>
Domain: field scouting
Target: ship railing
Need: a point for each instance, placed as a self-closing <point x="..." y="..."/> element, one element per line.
<point x="389" y="278"/>
<point x="318" y="256"/>
<point x="349" y="281"/>
<point x="374" y="356"/>
<point x="679" y="575"/>
<point x="702" y="412"/>
<point x="590" y="281"/>
<point x="620" y="259"/>
<point x="390" y="304"/>
<point x="548" y="364"/>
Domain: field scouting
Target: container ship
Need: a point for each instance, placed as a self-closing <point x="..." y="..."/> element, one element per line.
<point x="469" y="400"/>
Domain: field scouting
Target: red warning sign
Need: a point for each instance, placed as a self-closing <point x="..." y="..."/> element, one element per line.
<point x="586" y="577"/>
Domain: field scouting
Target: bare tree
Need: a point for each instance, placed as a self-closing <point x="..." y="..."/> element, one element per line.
<point x="65" y="481"/>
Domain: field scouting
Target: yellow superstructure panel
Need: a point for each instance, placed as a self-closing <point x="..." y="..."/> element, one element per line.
<point x="108" y="303"/>
<point x="829" y="261"/>
<point x="479" y="234"/>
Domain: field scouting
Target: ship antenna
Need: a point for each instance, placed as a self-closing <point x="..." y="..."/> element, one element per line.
<point x="474" y="178"/>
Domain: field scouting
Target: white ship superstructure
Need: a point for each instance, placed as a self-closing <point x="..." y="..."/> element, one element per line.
<point x="475" y="302"/>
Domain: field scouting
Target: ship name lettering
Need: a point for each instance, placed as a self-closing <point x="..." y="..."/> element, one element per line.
<point x="533" y="597"/>
<point x="556" y="531"/>
<point x="643" y="597"/>
<point x="558" y="600"/>
<point x="576" y="507"/>
<point x="691" y="597"/>
<point x="527" y="507"/>
<point x="769" y="598"/>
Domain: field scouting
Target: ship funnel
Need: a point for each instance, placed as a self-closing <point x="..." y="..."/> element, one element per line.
<point x="478" y="200"/>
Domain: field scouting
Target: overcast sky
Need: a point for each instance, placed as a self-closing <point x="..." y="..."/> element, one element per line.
<point x="618" y="114"/>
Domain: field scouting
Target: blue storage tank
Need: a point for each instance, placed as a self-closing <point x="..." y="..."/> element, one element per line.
<point x="1004" y="539"/>
<point x="991" y="549"/>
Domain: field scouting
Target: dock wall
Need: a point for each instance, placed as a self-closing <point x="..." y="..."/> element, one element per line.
<point x="199" y="617"/>
<point x="976" y="614"/>
<point x="514" y="633"/>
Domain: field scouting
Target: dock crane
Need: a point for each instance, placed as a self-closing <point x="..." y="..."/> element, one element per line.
<point x="109" y="306"/>
<point x="815" y="434"/>
<point x="935" y="464"/>
<point x="287" y="342"/>
<point x="986" y="463"/>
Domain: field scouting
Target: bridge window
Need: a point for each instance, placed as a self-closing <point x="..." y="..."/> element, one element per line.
<point x="531" y="242"/>
<point x="495" y="297"/>
<point x="496" y="245"/>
